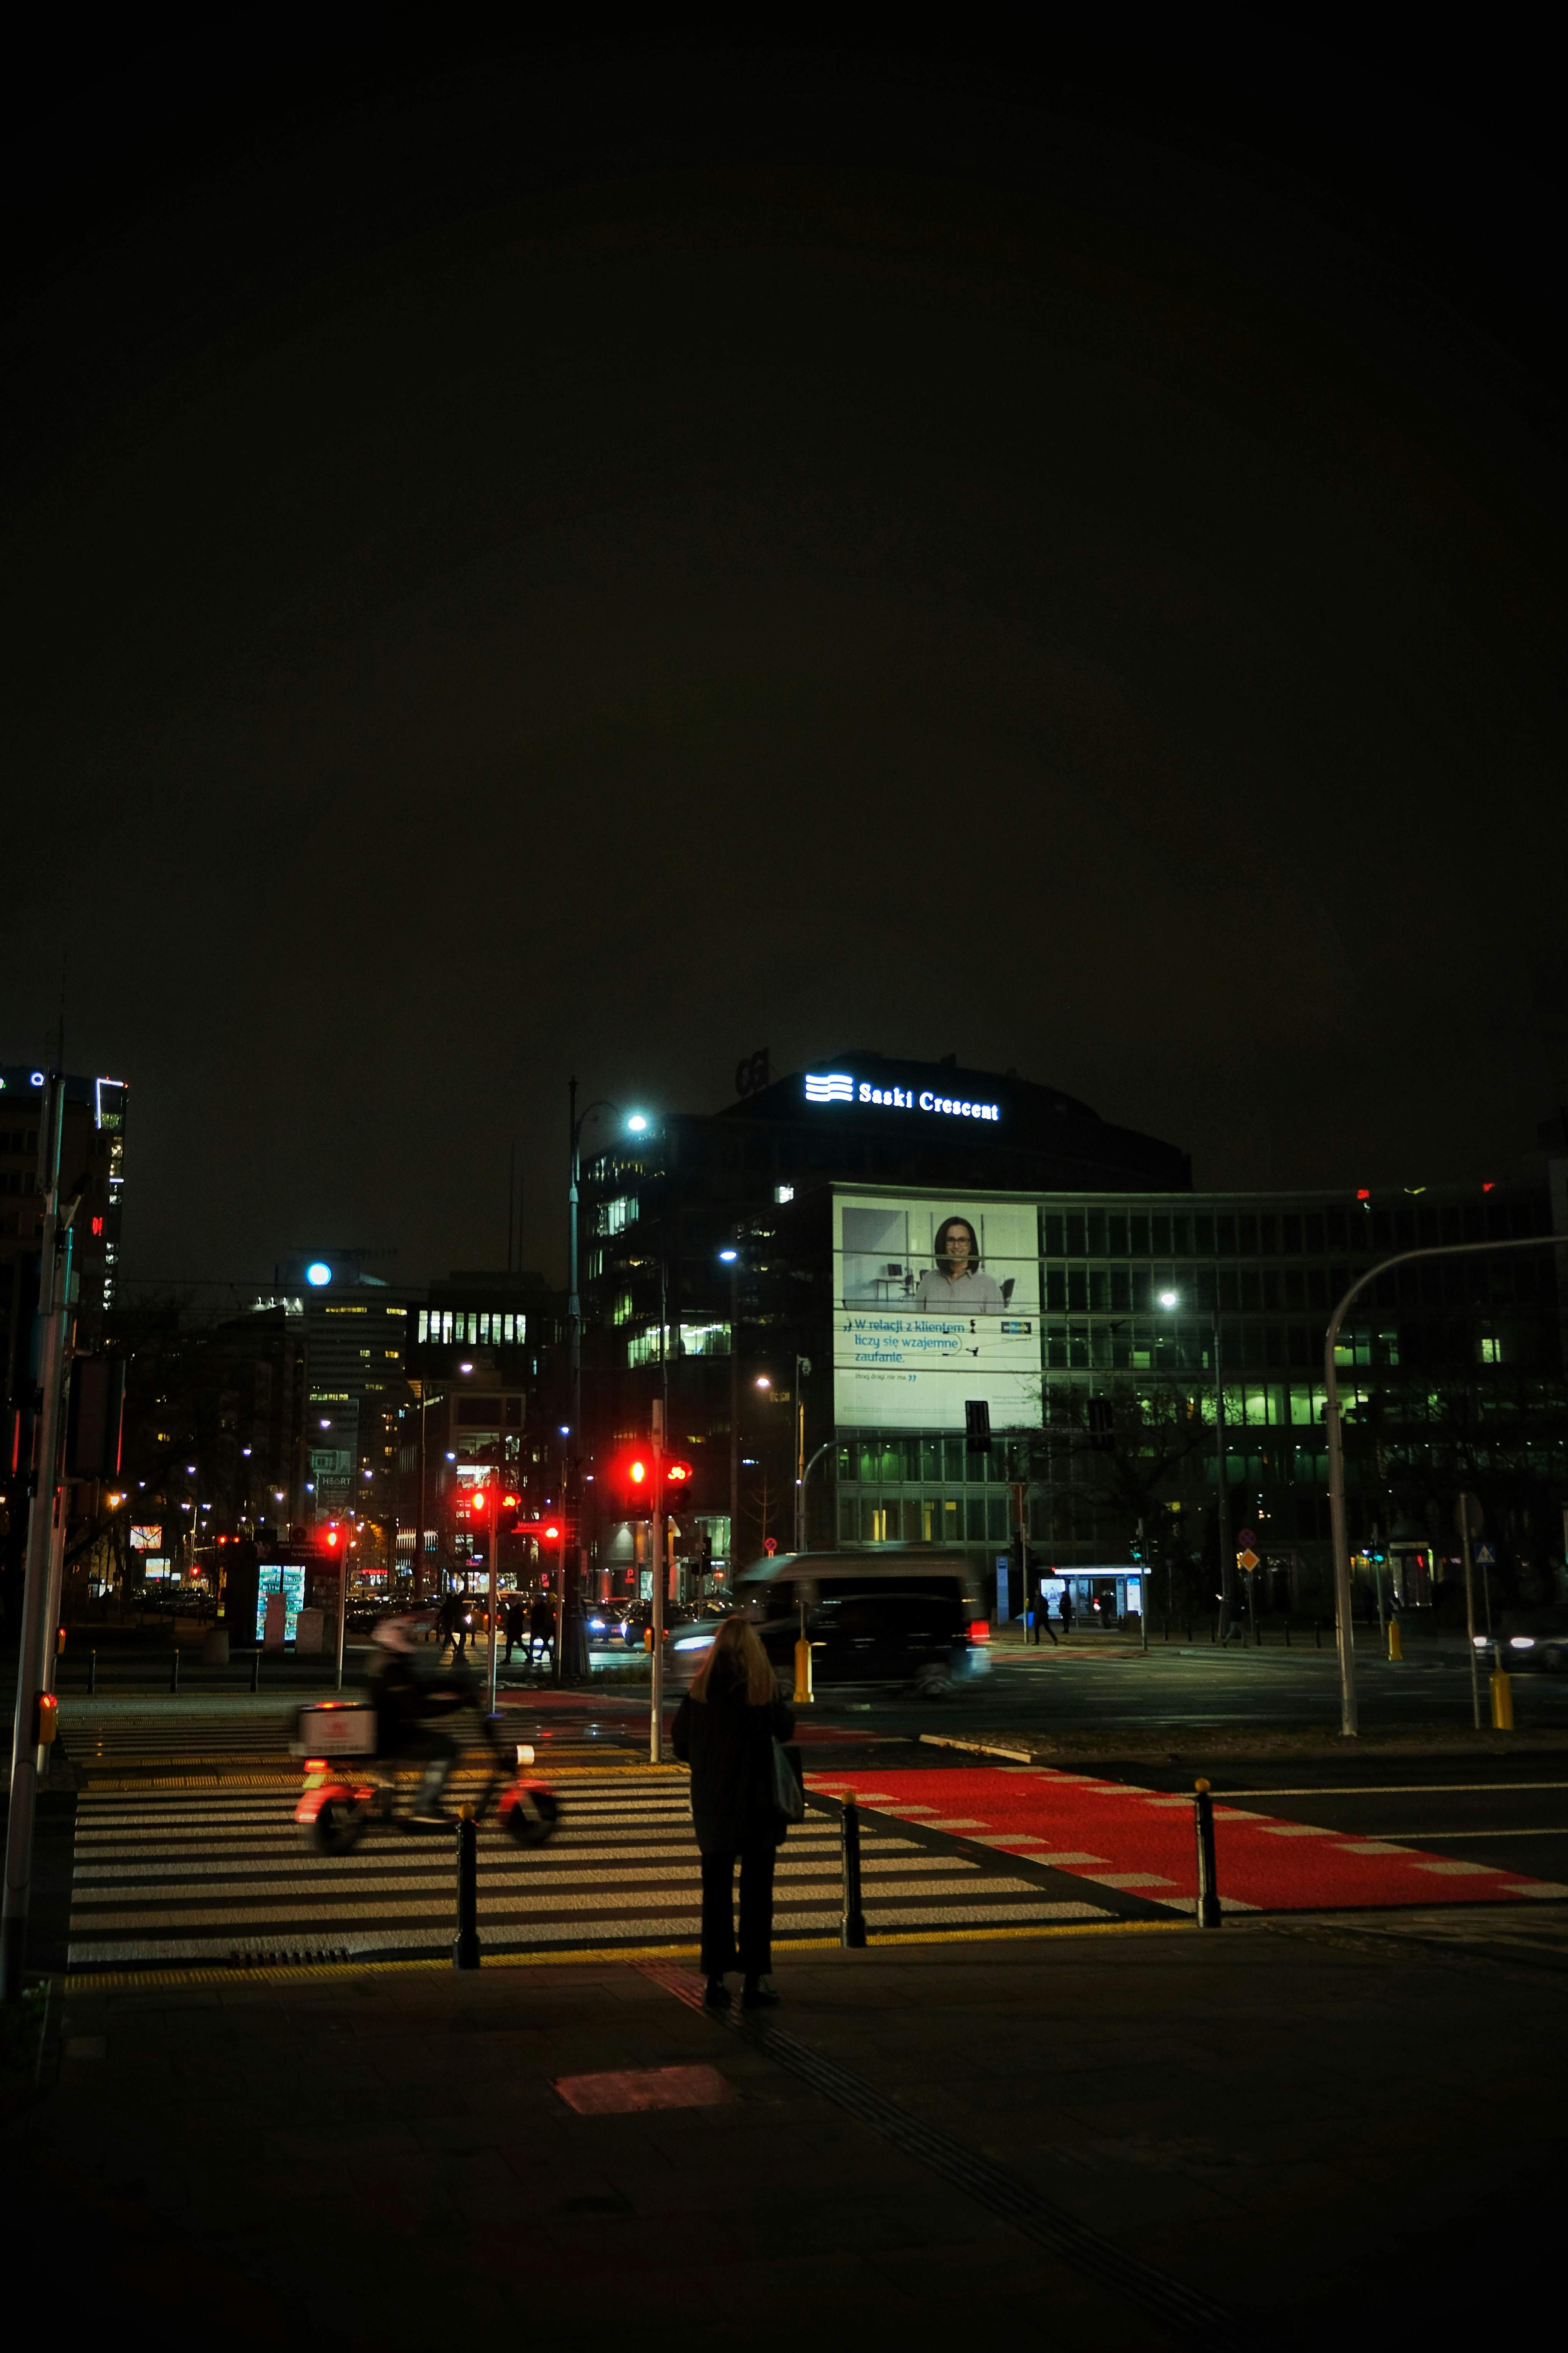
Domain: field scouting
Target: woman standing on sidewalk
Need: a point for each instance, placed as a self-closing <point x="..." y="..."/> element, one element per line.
<point x="725" y="1729"/>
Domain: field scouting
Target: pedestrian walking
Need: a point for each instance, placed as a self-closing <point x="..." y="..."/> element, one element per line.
<point x="448" y="1618"/>
<point x="1043" y="1613"/>
<point x="540" y="1629"/>
<point x="1064" y="1613"/>
<point x="516" y="1626"/>
<point x="725" y="1730"/>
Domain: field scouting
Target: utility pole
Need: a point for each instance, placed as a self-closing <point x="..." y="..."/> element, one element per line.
<point x="734" y="1258"/>
<point x="1221" y="1465"/>
<point x="46" y="1506"/>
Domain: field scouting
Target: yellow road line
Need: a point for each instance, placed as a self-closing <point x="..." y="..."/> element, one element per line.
<point x="597" y="1956"/>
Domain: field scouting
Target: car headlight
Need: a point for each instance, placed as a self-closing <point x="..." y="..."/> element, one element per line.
<point x="1521" y="1642"/>
<point x="696" y="1642"/>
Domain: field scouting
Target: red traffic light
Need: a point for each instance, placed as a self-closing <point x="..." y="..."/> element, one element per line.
<point x="551" y="1531"/>
<point x="637" y="1471"/>
<point x="333" y="1538"/>
<point x="677" y="1473"/>
<point x="509" y="1503"/>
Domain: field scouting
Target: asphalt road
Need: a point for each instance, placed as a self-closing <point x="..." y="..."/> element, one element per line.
<point x="1040" y="1691"/>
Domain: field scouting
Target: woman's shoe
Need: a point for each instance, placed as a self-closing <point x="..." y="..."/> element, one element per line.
<point x="716" y="1994"/>
<point x="758" y="1994"/>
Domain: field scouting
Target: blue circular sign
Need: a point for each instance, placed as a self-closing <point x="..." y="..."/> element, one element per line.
<point x="318" y="1274"/>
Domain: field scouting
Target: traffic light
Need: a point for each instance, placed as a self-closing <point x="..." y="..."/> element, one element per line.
<point x="1135" y="1552"/>
<point x="333" y="1539"/>
<point x="507" y="1509"/>
<point x="631" y="1477"/>
<point x="677" y="1473"/>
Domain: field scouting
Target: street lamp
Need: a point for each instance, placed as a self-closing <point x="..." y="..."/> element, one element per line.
<point x="1173" y="1299"/>
<point x="730" y="1258"/>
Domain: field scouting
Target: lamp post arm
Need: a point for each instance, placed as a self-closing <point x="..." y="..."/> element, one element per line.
<point x="1348" y="1717"/>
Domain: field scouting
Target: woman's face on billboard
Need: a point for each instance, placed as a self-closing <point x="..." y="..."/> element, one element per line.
<point x="954" y="1247"/>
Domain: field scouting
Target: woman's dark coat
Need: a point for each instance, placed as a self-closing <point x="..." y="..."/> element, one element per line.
<point x="728" y="1745"/>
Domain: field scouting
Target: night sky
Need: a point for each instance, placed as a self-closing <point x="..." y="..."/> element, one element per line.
<point x="517" y="564"/>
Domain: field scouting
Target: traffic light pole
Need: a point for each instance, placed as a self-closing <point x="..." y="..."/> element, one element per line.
<point x="656" y="1702"/>
<point x="495" y="1548"/>
<point x="45" y="1503"/>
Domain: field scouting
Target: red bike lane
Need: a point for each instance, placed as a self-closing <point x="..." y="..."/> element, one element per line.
<point x="1118" y="1835"/>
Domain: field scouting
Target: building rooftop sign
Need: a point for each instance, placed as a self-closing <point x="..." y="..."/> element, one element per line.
<point x="842" y="1087"/>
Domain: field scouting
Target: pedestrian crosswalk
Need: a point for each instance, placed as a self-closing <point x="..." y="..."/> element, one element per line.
<point x="175" y="1736"/>
<point x="177" y="1878"/>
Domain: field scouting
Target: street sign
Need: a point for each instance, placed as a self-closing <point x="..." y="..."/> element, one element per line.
<point x="1485" y="1557"/>
<point x="1245" y="1539"/>
<point x="1247" y="1560"/>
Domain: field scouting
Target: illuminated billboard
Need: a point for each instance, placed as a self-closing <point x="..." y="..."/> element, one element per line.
<point x="146" y="1539"/>
<point x="936" y="1304"/>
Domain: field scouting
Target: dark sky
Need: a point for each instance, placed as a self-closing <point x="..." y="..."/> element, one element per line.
<point x="525" y="562"/>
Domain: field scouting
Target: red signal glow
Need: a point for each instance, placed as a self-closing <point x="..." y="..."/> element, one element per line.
<point x="636" y="1471"/>
<point x="333" y="1539"/>
<point x="1363" y="1194"/>
<point x="551" y="1531"/>
<point x="1490" y="1185"/>
<point x="677" y="1471"/>
<point x="509" y="1503"/>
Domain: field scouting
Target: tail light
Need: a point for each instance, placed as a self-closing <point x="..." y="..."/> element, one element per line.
<point x="980" y="1632"/>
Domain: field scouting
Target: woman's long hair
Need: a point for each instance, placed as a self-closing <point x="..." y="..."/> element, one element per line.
<point x="743" y="1661"/>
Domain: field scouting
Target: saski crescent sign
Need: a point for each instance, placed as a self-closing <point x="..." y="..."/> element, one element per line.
<point x="842" y="1087"/>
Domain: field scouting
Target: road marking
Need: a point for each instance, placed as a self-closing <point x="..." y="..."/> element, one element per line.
<point x="194" y="1877"/>
<point x="1404" y="1790"/>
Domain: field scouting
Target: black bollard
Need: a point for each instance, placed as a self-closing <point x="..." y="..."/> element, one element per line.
<point x="93" y="1671"/>
<point x="852" y="1927"/>
<point x="255" y="1669"/>
<point x="174" y="1672"/>
<point x="1208" y="1884"/>
<point x="466" y="1943"/>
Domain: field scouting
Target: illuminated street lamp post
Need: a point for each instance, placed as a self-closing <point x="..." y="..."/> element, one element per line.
<point x="731" y="1259"/>
<point x="1349" y="1719"/>
<point x="1170" y="1299"/>
<point x="637" y="1125"/>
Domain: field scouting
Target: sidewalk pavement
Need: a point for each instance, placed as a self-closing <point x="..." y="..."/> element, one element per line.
<point x="1111" y="2136"/>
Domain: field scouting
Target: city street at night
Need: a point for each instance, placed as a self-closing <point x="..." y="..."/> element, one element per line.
<point x="783" y="1182"/>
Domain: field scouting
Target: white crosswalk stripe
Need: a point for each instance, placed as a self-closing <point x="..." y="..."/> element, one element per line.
<point x="167" y="1877"/>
